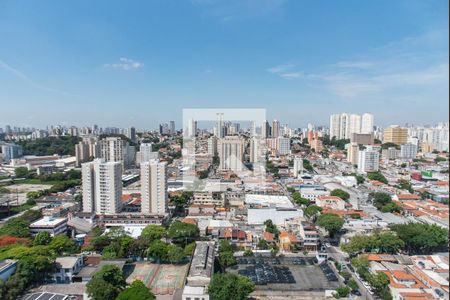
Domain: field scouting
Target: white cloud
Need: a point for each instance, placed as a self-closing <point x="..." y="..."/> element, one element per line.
<point x="290" y="75"/>
<point x="125" y="64"/>
<point x="280" y="68"/>
<point x="406" y="67"/>
<point x="286" y="71"/>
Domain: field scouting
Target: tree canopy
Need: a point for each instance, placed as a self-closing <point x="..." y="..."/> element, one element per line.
<point x="299" y="200"/>
<point x="383" y="202"/>
<point x="136" y="291"/>
<point x="381" y="242"/>
<point x="107" y="283"/>
<point x="153" y="232"/>
<point x="312" y="211"/>
<point x="377" y="176"/>
<point x="421" y="238"/>
<point x="230" y="286"/>
<point x="340" y="193"/>
<point x="331" y="223"/>
<point x="64" y="145"/>
<point x="180" y="231"/>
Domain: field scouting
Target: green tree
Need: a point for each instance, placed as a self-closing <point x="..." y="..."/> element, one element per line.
<point x="226" y="259"/>
<point x="422" y="238"/>
<point x="230" y="287"/>
<point x="158" y="249"/>
<point x="379" y="281"/>
<point x="180" y="231"/>
<point x="107" y="283"/>
<point x="225" y="246"/>
<point x="353" y="285"/>
<point x="307" y="165"/>
<point x="17" y="227"/>
<point x="153" y="232"/>
<point x="299" y="199"/>
<point x="35" y="268"/>
<point x="405" y="185"/>
<point x="136" y="291"/>
<point x="21" y="172"/>
<point x="175" y="254"/>
<point x="189" y="249"/>
<point x="341" y="292"/>
<point x="341" y="194"/>
<point x="62" y="244"/>
<point x="248" y="252"/>
<point x="377" y="176"/>
<point x="380" y="199"/>
<point x="312" y="211"/>
<point x="382" y="242"/>
<point x="331" y="223"/>
<point x="42" y="238"/>
<point x="346" y="275"/>
<point x="272" y="228"/>
<point x="391" y="207"/>
<point x="263" y="245"/>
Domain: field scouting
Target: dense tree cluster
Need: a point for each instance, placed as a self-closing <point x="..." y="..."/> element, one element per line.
<point x="331" y="223"/>
<point x="64" y="145"/>
<point x="226" y="257"/>
<point x="341" y="194"/>
<point x="422" y="238"/>
<point x="299" y="200"/>
<point x="230" y="287"/>
<point x="379" y="281"/>
<point x="380" y="242"/>
<point x="377" y="176"/>
<point x="383" y="202"/>
<point x="307" y="165"/>
<point x="18" y="227"/>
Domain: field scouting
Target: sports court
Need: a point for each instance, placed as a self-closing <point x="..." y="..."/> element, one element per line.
<point x="163" y="279"/>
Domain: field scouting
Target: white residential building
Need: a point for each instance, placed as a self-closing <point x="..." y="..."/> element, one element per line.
<point x="146" y="152"/>
<point x="212" y="146"/>
<point x="102" y="187"/>
<point x="408" y="151"/>
<point x="298" y="165"/>
<point x="335" y="126"/>
<point x="154" y="197"/>
<point x="284" y="146"/>
<point x="354" y="125"/>
<point x="111" y="149"/>
<point x="231" y="153"/>
<point x="368" y="160"/>
<point x="367" y="123"/>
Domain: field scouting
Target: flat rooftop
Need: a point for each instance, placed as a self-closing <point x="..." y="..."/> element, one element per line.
<point x="48" y="222"/>
<point x="268" y="200"/>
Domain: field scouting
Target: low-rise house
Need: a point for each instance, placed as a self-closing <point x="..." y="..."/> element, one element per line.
<point x="201" y="210"/>
<point x="289" y="241"/>
<point x="331" y="202"/>
<point x="406" y="197"/>
<point x="309" y="235"/>
<point x="66" y="268"/>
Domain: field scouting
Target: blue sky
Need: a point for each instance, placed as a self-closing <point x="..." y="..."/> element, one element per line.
<point x="123" y="63"/>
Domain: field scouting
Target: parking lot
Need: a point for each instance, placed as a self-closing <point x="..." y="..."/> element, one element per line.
<point x="290" y="274"/>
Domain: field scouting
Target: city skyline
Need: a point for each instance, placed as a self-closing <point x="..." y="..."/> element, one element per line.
<point x="126" y="65"/>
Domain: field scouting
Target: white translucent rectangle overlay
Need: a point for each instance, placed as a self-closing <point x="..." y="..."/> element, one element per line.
<point x="233" y="134"/>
